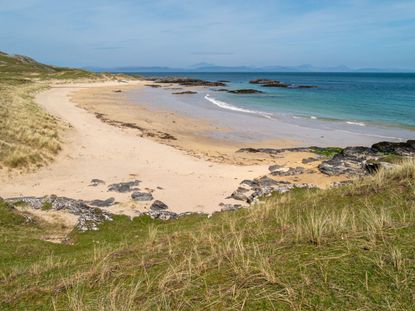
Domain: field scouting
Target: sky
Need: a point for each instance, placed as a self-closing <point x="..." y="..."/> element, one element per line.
<point x="179" y="33"/>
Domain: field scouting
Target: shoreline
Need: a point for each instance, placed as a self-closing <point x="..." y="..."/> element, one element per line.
<point x="93" y="149"/>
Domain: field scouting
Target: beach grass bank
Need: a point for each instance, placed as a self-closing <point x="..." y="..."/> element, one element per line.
<point x="30" y="137"/>
<point x="342" y="249"/>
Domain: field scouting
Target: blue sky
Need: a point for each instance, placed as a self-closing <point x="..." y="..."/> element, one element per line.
<point x="357" y="33"/>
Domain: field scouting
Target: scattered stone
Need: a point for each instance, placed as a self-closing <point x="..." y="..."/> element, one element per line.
<point x="161" y="214"/>
<point x="141" y="196"/>
<point x="275" y="167"/>
<point x="284" y="171"/>
<point x="102" y="203"/>
<point x="184" y="93"/>
<point x="338" y="184"/>
<point x="229" y="207"/>
<point x="240" y="194"/>
<point x="158" y="205"/>
<point x="96" y="182"/>
<point x="310" y="160"/>
<point x="124" y="186"/>
<point x="153" y="85"/>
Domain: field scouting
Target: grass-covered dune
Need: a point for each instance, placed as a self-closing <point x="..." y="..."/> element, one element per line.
<point x="350" y="248"/>
<point x="29" y="137"/>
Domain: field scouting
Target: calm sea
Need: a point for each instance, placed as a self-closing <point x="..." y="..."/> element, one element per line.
<point x="386" y="99"/>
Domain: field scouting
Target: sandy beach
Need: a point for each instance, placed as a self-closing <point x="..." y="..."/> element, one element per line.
<point x="187" y="173"/>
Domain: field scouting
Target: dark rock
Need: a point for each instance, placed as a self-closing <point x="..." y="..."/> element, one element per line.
<point x="264" y="81"/>
<point x="240" y="194"/>
<point x="310" y="160"/>
<point x="275" y="167"/>
<point x="186" y="81"/>
<point x="89" y="217"/>
<point x="184" y="93"/>
<point x="158" y="205"/>
<point x="245" y="91"/>
<point x="153" y="85"/>
<point x="306" y="87"/>
<point x="117" y="91"/>
<point x="273" y="151"/>
<point x="142" y="196"/>
<point x="276" y="83"/>
<point x="161" y="214"/>
<point x="230" y="207"/>
<point x="338" y="184"/>
<point x="102" y="203"/>
<point x="351" y="161"/>
<point x="402" y="149"/>
<point x="288" y="171"/>
<point x="124" y="186"/>
<point x="96" y="182"/>
<point x="373" y="167"/>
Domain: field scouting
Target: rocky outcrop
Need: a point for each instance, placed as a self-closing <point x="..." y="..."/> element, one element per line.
<point x="245" y="91"/>
<point x="186" y="81"/>
<point x="272" y="151"/>
<point x="290" y="171"/>
<point x="402" y="149"/>
<point x="89" y="217"/>
<point x="365" y="160"/>
<point x="276" y="83"/>
<point x="250" y="190"/>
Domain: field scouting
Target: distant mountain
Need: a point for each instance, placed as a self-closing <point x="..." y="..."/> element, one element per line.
<point x="206" y="67"/>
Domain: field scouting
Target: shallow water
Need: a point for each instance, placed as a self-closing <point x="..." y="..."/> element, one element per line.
<point x="346" y="109"/>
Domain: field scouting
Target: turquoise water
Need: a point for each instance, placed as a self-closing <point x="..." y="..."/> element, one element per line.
<point x="386" y="99"/>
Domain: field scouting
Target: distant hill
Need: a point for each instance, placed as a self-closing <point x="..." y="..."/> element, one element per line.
<point x="205" y="67"/>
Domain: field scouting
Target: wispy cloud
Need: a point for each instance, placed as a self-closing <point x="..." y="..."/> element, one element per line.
<point x="181" y="32"/>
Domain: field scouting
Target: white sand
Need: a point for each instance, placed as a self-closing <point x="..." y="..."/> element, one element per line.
<point x="93" y="149"/>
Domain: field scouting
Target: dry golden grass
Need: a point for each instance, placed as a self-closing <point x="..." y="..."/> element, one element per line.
<point x="29" y="137"/>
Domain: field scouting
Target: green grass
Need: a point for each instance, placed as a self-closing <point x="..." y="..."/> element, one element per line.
<point x="341" y="249"/>
<point x="327" y="151"/>
<point x="29" y="137"/>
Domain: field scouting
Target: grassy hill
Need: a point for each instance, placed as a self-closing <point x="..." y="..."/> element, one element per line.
<point x="350" y="248"/>
<point x="29" y="137"/>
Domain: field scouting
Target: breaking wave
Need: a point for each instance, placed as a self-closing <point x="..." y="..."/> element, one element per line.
<point x="227" y="106"/>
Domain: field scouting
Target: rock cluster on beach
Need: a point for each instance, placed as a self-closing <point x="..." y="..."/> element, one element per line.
<point x="89" y="217"/>
<point x="366" y="160"/>
<point x="250" y="190"/>
<point x="351" y="160"/>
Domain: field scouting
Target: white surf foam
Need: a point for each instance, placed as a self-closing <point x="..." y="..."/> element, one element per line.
<point x="227" y="106"/>
<point x="356" y="123"/>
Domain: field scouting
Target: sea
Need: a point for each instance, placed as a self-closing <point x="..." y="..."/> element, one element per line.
<point x="367" y="106"/>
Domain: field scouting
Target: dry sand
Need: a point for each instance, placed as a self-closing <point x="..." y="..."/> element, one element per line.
<point x="96" y="149"/>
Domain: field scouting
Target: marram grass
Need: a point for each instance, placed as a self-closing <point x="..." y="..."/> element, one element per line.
<point x="350" y="248"/>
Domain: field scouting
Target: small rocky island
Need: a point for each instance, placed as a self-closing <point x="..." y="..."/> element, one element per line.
<point x="276" y="83"/>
